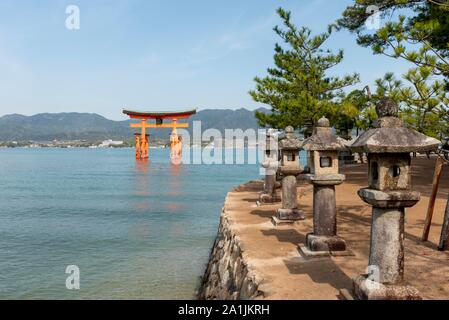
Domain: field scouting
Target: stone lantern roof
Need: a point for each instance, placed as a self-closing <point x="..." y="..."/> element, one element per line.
<point x="390" y="135"/>
<point x="290" y="142"/>
<point x="323" y="139"/>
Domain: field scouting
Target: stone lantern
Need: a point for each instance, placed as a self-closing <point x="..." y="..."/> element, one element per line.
<point x="270" y="164"/>
<point x="290" y="169"/>
<point x="323" y="147"/>
<point x="388" y="147"/>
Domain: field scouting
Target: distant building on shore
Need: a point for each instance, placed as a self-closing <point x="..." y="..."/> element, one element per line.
<point x="110" y="143"/>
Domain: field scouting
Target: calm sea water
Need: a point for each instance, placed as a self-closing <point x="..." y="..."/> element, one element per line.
<point x="136" y="231"/>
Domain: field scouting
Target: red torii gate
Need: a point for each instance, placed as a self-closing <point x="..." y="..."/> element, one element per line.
<point x="175" y="139"/>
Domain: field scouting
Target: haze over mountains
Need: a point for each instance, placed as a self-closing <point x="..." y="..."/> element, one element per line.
<point x="91" y="126"/>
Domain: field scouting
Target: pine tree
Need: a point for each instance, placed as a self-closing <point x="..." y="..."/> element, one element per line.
<point x="356" y="112"/>
<point x="299" y="89"/>
<point x="424" y="102"/>
<point x="419" y="35"/>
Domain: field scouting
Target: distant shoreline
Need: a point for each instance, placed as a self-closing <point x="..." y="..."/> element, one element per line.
<point x="106" y="148"/>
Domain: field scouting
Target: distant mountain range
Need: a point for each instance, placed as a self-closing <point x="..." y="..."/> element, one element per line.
<point x="91" y="126"/>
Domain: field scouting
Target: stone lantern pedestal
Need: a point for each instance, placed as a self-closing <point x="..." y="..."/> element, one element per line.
<point x="324" y="148"/>
<point x="390" y="192"/>
<point x="324" y="239"/>
<point x="289" y="210"/>
<point x="386" y="258"/>
<point x="269" y="195"/>
<point x="289" y="170"/>
<point x="270" y="165"/>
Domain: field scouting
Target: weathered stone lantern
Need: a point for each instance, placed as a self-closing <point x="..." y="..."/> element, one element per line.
<point x="270" y="165"/>
<point x="323" y="147"/>
<point x="289" y="170"/>
<point x="388" y="146"/>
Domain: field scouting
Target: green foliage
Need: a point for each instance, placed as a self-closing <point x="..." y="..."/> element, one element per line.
<point x="387" y="86"/>
<point x="356" y="112"/>
<point x="435" y="17"/>
<point x="424" y="102"/>
<point x="299" y="89"/>
<point x="420" y="35"/>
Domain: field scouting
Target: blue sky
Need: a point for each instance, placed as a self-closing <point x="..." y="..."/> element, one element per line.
<point x="149" y="54"/>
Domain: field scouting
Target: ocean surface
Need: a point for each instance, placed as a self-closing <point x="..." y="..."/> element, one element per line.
<point x="135" y="230"/>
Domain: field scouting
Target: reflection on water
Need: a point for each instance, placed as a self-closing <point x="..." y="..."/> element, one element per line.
<point x="142" y="231"/>
<point x="175" y="177"/>
<point x="142" y="166"/>
<point x="142" y="186"/>
<point x="142" y="177"/>
<point x="174" y="207"/>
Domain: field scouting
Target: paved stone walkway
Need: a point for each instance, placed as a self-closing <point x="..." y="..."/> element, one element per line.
<point x="272" y="252"/>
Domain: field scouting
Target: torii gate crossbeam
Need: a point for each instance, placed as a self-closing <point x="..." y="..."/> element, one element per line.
<point x="143" y="138"/>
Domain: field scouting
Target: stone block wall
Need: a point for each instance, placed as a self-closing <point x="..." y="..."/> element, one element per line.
<point x="227" y="276"/>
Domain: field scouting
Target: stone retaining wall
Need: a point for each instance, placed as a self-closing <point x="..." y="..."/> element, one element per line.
<point x="227" y="276"/>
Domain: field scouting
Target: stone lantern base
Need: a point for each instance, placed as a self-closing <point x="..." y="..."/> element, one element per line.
<point x="287" y="216"/>
<point x="325" y="243"/>
<point x="323" y="246"/>
<point x="265" y="198"/>
<point x="365" y="289"/>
